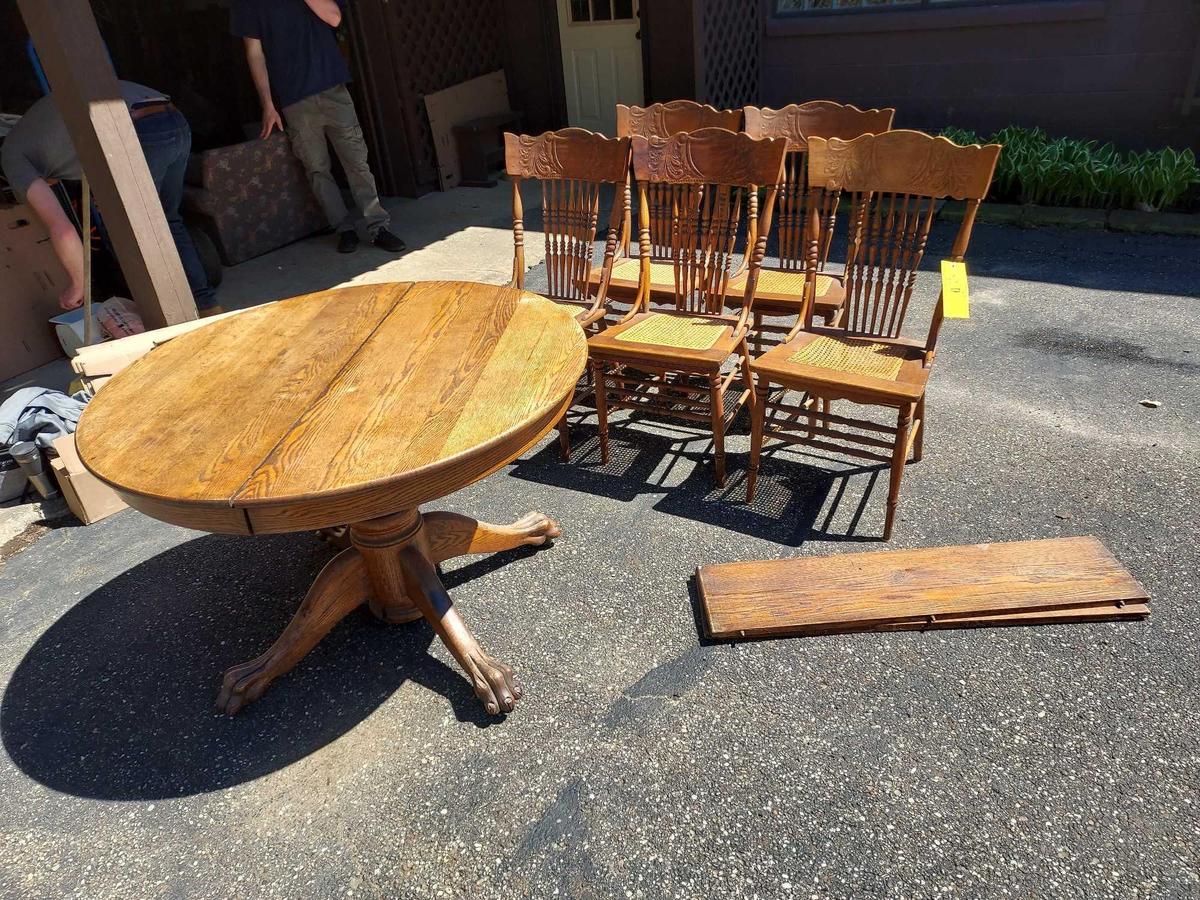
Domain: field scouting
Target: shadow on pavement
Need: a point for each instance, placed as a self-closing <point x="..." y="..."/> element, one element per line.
<point x="787" y="508"/>
<point x="115" y="700"/>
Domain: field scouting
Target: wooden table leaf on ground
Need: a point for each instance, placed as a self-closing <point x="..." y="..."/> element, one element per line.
<point x="355" y="405"/>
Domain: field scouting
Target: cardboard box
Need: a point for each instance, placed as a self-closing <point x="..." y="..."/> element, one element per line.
<point x="87" y="496"/>
<point x="31" y="278"/>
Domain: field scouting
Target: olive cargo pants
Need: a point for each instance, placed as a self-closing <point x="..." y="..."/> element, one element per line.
<point x="330" y="115"/>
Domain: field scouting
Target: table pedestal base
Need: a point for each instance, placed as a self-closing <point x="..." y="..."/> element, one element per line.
<point x="391" y="567"/>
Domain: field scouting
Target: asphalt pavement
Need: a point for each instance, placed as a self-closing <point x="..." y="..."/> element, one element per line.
<point x="1049" y="762"/>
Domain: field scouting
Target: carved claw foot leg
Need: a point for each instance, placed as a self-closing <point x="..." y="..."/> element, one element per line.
<point x="494" y="682"/>
<point x="341" y="587"/>
<point x="392" y="568"/>
<point x="450" y="534"/>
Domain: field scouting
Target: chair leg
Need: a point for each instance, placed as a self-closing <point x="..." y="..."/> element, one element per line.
<point x="747" y="375"/>
<point x="919" y="438"/>
<point x="564" y="438"/>
<point x="810" y="405"/>
<point x="601" y="407"/>
<point x="899" y="452"/>
<point x="717" y="405"/>
<point x="757" y="333"/>
<point x="758" y="416"/>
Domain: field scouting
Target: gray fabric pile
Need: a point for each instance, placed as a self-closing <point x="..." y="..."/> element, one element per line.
<point x="40" y="415"/>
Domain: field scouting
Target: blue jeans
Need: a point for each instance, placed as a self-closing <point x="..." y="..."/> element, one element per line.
<point x="166" y="141"/>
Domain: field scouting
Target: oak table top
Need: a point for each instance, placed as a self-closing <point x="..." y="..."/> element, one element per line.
<point x="333" y="407"/>
<point x="351" y="406"/>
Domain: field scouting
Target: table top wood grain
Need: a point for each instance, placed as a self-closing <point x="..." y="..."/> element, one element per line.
<point x="334" y="407"/>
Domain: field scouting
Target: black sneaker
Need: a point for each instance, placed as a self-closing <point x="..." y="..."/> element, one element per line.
<point x="347" y="242"/>
<point x="385" y="240"/>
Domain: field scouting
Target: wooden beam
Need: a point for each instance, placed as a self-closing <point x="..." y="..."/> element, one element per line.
<point x="89" y="98"/>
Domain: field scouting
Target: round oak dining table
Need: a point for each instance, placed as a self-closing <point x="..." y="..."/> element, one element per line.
<point x="353" y="406"/>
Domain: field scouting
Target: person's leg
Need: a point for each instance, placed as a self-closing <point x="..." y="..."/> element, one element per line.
<point x="306" y="130"/>
<point x="166" y="141"/>
<point x="347" y="138"/>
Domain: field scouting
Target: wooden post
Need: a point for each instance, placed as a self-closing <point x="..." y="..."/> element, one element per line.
<point x="89" y="98"/>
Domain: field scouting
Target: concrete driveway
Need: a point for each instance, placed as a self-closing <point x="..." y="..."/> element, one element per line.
<point x="1059" y="761"/>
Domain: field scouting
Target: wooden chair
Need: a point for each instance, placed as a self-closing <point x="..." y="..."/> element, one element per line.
<point x="658" y="120"/>
<point x="781" y="287"/>
<point x="894" y="180"/>
<point x="573" y="165"/>
<point x="671" y="362"/>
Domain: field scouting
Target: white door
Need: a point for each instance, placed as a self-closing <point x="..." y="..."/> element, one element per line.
<point x="602" y="60"/>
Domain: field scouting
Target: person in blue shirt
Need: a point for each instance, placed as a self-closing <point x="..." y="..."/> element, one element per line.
<point x="298" y="70"/>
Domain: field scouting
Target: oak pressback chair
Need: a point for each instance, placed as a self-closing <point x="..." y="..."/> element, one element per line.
<point x="781" y="287"/>
<point x="658" y="120"/>
<point x="673" y="361"/>
<point x="894" y="182"/>
<point x="574" y="166"/>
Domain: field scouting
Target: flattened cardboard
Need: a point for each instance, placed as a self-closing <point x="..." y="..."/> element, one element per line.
<point x="89" y="498"/>
<point x="31" y="279"/>
<point x="483" y="96"/>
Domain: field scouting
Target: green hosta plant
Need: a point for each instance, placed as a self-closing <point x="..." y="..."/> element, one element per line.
<point x="960" y="136"/>
<point x="1068" y="172"/>
<point x="1162" y="178"/>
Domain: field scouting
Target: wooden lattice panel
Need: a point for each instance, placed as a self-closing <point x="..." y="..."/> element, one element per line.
<point x="729" y="43"/>
<point x="444" y="42"/>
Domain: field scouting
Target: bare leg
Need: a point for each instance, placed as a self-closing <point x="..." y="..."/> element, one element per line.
<point x="494" y="682"/>
<point x="450" y="534"/>
<point x="341" y="587"/>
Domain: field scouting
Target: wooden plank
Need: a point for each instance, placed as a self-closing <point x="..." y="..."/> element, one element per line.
<point x="482" y="96"/>
<point x="1101" y="612"/>
<point x="89" y="98"/>
<point x="868" y="591"/>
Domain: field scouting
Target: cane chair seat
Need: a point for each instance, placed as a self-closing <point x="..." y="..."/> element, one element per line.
<point x="883" y="369"/>
<point x="626" y="273"/>
<point x="782" y="292"/>
<point x="693" y="342"/>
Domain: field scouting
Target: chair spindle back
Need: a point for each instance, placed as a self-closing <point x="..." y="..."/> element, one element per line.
<point x="573" y="165"/>
<point x="797" y="122"/>
<point x="661" y="120"/>
<point x="894" y="181"/>
<point x="693" y="189"/>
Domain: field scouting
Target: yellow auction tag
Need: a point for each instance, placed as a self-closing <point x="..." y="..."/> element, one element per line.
<point x="956" y="303"/>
